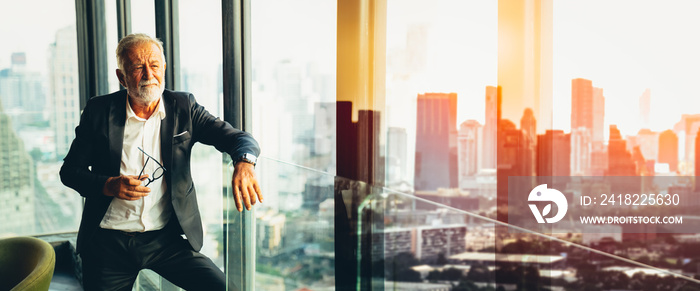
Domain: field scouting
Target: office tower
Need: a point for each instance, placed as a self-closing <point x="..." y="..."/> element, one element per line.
<point x="525" y="59"/>
<point x="468" y="142"/>
<point x="22" y="93"/>
<point x="17" y="209"/>
<point x="581" y="103"/>
<point x="553" y="151"/>
<point x="397" y="155"/>
<point x="668" y="149"/>
<point x="599" y="159"/>
<point x="645" y="107"/>
<point x="288" y="80"/>
<point x="528" y="124"/>
<point x="598" y="129"/>
<point x="490" y="125"/>
<point x="324" y="129"/>
<point x="357" y="153"/>
<point x="63" y="74"/>
<point x="690" y="123"/>
<point x="436" y="142"/>
<point x="581" y="151"/>
<point x="648" y="142"/>
<point x="620" y="162"/>
<point x="697" y="154"/>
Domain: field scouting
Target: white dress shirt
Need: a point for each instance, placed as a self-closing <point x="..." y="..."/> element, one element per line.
<point x="153" y="211"/>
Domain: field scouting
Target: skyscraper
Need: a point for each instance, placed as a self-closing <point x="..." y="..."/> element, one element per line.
<point x="22" y="93"/>
<point x="648" y="142"/>
<point x="581" y="151"/>
<point x="668" y="149"/>
<point x="598" y="130"/>
<point x="525" y="59"/>
<point x="581" y="103"/>
<point x="620" y="162"/>
<point x="490" y="125"/>
<point x="436" y="142"/>
<point x="63" y="74"/>
<point x="553" y="151"/>
<point x="397" y="155"/>
<point x="468" y="144"/>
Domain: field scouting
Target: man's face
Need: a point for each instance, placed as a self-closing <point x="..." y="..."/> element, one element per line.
<point x="143" y="73"/>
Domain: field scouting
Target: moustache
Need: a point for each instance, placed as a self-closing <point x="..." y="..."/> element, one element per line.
<point x="146" y="83"/>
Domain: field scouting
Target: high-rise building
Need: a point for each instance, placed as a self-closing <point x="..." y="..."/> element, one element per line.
<point x="581" y="103"/>
<point x="22" y="93"/>
<point x="648" y="142"/>
<point x="528" y="124"/>
<point x="436" y="142"/>
<point x="525" y="59"/>
<point x="490" y="125"/>
<point x="63" y="74"/>
<point x="581" y="151"/>
<point x="324" y="128"/>
<point x="553" y="151"/>
<point x="598" y="130"/>
<point x="668" y="149"/>
<point x="620" y="162"/>
<point x="397" y="155"/>
<point x="645" y="107"/>
<point x="468" y="144"/>
<point x="17" y="209"/>
<point x="690" y="123"/>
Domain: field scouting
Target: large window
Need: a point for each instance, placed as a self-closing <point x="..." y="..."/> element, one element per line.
<point x="39" y="110"/>
<point x="200" y="74"/>
<point x="293" y="95"/>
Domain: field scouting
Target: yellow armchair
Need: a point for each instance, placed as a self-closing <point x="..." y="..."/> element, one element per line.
<point x="26" y="263"/>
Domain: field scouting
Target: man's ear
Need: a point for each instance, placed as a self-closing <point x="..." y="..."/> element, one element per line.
<point x="120" y="76"/>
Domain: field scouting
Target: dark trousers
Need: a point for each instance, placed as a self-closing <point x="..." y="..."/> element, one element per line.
<point x="114" y="259"/>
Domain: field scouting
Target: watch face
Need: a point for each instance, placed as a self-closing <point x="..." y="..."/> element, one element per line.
<point x="249" y="158"/>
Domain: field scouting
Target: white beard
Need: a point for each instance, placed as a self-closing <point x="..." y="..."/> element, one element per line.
<point x="147" y="95"/>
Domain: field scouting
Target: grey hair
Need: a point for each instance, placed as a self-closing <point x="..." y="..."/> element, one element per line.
<point x="132" y="40"/>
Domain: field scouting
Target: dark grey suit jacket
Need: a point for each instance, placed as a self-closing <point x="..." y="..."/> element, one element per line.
<point x="95" y="155"/>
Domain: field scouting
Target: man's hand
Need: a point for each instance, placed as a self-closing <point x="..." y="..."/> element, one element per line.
<point x="245" y="186"/>
<point x="126" y="187"/>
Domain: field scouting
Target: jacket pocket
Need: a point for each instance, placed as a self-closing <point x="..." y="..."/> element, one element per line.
<point x="181" y="137"/>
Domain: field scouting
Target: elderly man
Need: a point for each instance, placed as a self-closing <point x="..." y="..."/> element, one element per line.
<point x="131" y="161"/>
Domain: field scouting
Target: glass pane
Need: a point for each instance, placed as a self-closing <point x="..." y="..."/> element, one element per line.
<point x="143" y="17"/>
<point x="417" y="244"/>
<point x="39" y="110"/>
<point x="293" y="63"/>
<point x="112" y="40"/>
<point x="293" y="47"/>
<point x="200" y="68"/>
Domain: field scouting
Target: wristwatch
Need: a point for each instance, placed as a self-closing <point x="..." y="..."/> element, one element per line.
<point x="248" y="158"/>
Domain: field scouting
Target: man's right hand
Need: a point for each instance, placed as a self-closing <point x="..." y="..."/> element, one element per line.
<point x="126" y="187"/>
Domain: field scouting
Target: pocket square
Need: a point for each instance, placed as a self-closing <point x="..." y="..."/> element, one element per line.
<point x="179" y="134"/>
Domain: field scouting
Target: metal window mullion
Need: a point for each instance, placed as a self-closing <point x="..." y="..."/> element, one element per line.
<point x="167" y="30"/>
<point x="92" y="49"/>
<point x="123" y="18"/>
<point x="239" y="261"/>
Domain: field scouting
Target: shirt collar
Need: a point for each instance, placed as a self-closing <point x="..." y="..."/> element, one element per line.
<point x="160" y="111"/>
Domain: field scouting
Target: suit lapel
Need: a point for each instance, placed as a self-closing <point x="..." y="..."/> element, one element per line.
<point x="166" y="133"/>
<point x="117" y="121"/>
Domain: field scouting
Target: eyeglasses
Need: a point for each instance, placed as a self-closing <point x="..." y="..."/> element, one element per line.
<point x="157" y="174"/>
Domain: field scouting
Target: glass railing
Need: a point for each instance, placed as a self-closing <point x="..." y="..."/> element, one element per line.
<point x="316" y="231"/>
<point x="424" y="245"/>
